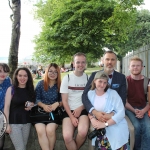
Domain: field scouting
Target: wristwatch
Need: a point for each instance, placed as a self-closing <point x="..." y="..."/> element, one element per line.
<point x="106" y="124"/>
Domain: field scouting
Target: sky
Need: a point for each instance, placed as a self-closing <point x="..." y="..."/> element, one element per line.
<point x="29" y="28"/>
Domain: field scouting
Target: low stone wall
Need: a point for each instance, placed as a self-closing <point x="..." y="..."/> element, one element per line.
<point x="33" y="143"/>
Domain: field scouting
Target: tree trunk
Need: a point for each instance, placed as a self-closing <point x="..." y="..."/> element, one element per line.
<point x="15" y="35"/>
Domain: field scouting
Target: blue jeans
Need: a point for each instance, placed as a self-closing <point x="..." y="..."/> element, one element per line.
<point x="141" y="130"/>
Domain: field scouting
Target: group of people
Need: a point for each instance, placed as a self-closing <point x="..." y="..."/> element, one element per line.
<point x="105" y="100"/>
<point x="63" y="69"/>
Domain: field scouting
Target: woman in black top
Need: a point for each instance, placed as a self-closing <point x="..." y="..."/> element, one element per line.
<point x="16" y="112"/>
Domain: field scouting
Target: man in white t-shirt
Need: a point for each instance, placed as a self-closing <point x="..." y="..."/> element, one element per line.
<point x="75" y="115"/>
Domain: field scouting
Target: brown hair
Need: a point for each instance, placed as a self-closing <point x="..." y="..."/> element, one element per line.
<point x="29" y="84"/>
<point x="78" y="54"/>
<point x="136" y="58"/>
<point x="5" y="67"/>
<point x="47" y="80"/>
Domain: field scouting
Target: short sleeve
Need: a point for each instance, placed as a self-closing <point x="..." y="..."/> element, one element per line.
<point x="64" y="85"/>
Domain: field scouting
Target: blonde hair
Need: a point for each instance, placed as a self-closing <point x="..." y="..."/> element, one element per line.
<point x="136" y="58"/>
<point x="93" y="86"/>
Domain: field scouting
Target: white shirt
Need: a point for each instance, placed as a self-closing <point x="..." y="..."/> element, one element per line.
<point x="100" y="102"/>
<point x="74" y="86"/>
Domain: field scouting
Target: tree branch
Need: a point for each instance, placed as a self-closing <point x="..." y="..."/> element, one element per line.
<point x="9" y="4"/>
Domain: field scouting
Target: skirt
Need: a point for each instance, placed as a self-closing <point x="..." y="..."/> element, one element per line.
<point x="102" y="143"/>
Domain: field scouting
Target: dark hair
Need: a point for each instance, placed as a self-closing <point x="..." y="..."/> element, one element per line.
<point x="29" y="84"/>
<point x="79" y="54"/>
<point x="93" y="86"/>
<point x="47" y="80"/>
<point x="110" y="52"/>
<point x="5" y="67"/>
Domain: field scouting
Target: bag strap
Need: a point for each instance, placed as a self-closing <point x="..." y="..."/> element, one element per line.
<point x="87" y="77"/>
<point x="146" y="81"/>
<point x="58" y="97"/>
<point x="68" y="78"/>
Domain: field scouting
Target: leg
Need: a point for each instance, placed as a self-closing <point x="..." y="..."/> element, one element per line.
<point x="68" y="132"/>
<point x="17" y="137"/>
<point x="137" y="129"/>
<point x="89" y="141"/>
<point x="2" y="140"/>
<point x="83" y="127"/>
<point x="145" y="134"/>
<point x="51" y="134"/>
<point x="131" y="129"/>
<point x="42" y="136"/>
<point x="26" y="132"/>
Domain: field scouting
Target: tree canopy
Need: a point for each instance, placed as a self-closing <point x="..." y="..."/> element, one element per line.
<point x="140" y="35"/>
<point x="71" y="26"/>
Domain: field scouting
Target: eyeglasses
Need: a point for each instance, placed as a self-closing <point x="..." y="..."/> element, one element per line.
<point x="51" y="72"/>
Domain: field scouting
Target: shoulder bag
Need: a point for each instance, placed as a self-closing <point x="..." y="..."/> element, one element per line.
<point x="38" y="115"/>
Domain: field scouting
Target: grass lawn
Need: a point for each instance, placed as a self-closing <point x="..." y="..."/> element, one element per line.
<point x="87" y="71"/>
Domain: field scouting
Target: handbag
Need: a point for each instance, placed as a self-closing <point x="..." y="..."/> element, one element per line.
<point x="38" y="115"/>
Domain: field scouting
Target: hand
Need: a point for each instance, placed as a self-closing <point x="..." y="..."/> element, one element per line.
<point x="47" y="108"/>
<point x="100" y="125"/>
<point x="30" y="106"/>
<point x="139" y="113"/>
<point x="100" y="116"/>
<point x="55" y="105"/>
<point x="74" y="121"/>
<point x="8" y="130"/>
<point x="76" y="113"/>
<point x="107" y="117"/>
<point x="94" y="122"/>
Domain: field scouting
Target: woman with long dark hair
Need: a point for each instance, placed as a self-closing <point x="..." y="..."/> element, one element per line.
<point x="16" y="113"/>
<point x="48" y="98"/>
<point x="5" y="83"/>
